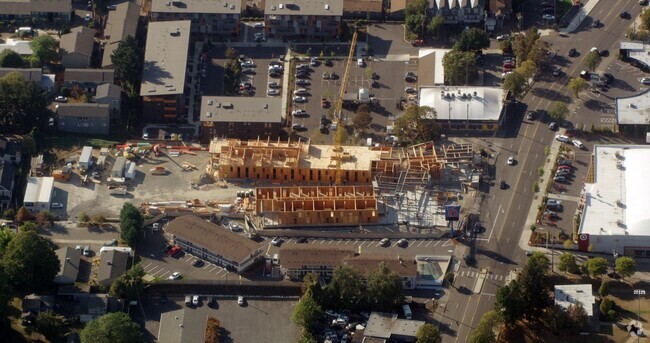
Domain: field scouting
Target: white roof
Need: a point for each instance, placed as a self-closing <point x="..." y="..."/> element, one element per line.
<point x="632" y="45"/>
<point x="462" y="103"/>
<point x="634" y="109"/>
<point x="637" y="51"/>
<point x="616" y="203"/>
<point x="20" y="46"/>
<point x="39" y="189"/>
<point x="86" y="154"/>
<point x="566" y="295"/>
<point x="165" y="58"/>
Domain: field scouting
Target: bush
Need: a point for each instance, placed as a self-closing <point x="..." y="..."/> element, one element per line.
<point x="607" y="308"/>
<point x="84" y="218"/>
<point x="449" y="277"/>
<point x="535" y="187"/>
<point x="99" y="218"/>
<point x="604" y="289"/>
<point x="540" y="171"/>
<point x="9" y="214"/>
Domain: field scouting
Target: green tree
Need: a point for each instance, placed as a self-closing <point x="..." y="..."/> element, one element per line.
<point x="30" y="262"/>
<point x="11" y="59"/>
<point x="232" y="54"/>
<point x="608" y="309"/>
<point x="111" y="328"/>
<point x="128" y="60"/>
<point x="307" y="337"/>
<point x="539" y="53"/>
<point x="50" y="325"/>
<point x="603" y="290"/>
<point x="459" y="67"/>
<point x="44" y="47"/>
<point x="28" y="226"/>
<point x="44" y="218"/>
<point x="436" y="26"/>
<point x="384" y="288"/>
<point x="523" y="44"/>
<point x="558" y="111"/>
<point x="416" y="125"/>
<point x="131" y="221"/>
<point x="28" y="147"/>
<point x="22" y="105"/>
<point x="625" y="266"/>
<point x="506" y="46"/>
<point x="428" y="333"/>
<point x="484" y="332"/>
<point x="5" y="292"/>
<point x="509" y="302"/>
<point x="527" y="69"/>
<point x="577" y="85"/>
<point x="416" y="15"/>
<point x="596" y="266"/>
<point x="577" y="316"/>
<point x="645" y="20"/>
<point x="128" y="285"/>
<point x="362" y="120"/>
<point x="307" y="313"/>
<point x="567" y="263"/>
<point x="534" y="279"/>
<point x="6" y="236"/>
<point x="472" y="39"/>
<point x="345" y="290"/>
<point x="515" y="83"/>
<point x="592" y="60"/>
<point x="555" y="317"/>
<point x="311" y="288"/>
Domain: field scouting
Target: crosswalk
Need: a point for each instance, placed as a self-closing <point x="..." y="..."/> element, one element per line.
<point x="473" y="274"/>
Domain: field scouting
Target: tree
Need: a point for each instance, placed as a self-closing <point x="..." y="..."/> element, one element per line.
<point x="515" y="83"/>
<point x="307" y="337"/>
<point x="603" y="290"/>
<point x="539" y="53"/>
<point x="28" y="147"/>
<point x="416" y="125"/>
<point x="30" y="262"/>
<point x="5" y="292"/>
<point x="509" y="302"/>
<point x="527" y="69"/>
<point x="110" y="328"/>
<point x="44" y="218"/>
<point x="436" y="26"/>
<point x="128" y="60"/>
<point x="558" y="111"/>
<point x="212" y="330"/>
<point x="484" y="332"/>
<point x="44" y="47"/>
<point x="6" y="236"/>
<point x="555" y="317"/>
<point x="645" y="20"/>
<point x="345" y="290"/>
<point x="592" y="60"/>
<point x="596" y="266"/>
<point x="533" y="280"/>
<point x="415" y="15"/>
<point x="523" y="44"/>
<point x="307" y="313"/>
<point x="460" y="67"/>
<point x="131" y="221"/>
<point x="11" y="59"/>
<point x="567" y="263"/>
<point x="473" y="39"/>
<point x="22" y="105"/>
<point x="28" y="226"/>
<point x="577" y="85"/>
<point x="232" y="54"/>
<point x="506" y="46"/>
<point x="362" y="120"/>
<point x="625" y="266"/>
<point x="50" y="325"/>
<point x="384" y="288"/>
<point x="23" y="215"/>
<point x="311" y="288"/>
<point x="608" y="309"/>
<point x="577" y="316"/>
<point x="428" y="333"/>
<point x="128" y="285"/>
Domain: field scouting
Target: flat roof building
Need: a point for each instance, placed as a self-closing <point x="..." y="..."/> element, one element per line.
<point x="387" y="326"/>
<point x="86" y="158"/>
<point x="38" y="194"/>
<point x="241" y="117"/>
<point x="615" y="219"/>
<point x="633" y="114"/>
<point x="306" y="18"/>
<point x="567" y="295"/>
<point x="46" y="9"/>
<point x="219" y="18"/>
<point x="20" y="47"/>
<point x="637" y="51"/>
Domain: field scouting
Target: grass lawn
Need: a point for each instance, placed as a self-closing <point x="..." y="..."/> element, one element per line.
<point x="74" y="142"/>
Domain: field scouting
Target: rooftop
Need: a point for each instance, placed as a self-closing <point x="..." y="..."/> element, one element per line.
<point x="25" y="7"/>
<point x="449" y="4"/>
<point x="463" y="103"/>
<point x="363" y="5"/>
<point x="298" y="256"/>
<point x="634" y="110"/>
<point x="182" y="326"/>
<point x="121" y="22"/>
<point x="112" y="265"/>
<point x="304" y="7"/>
<point x="404" y="266"/>
<point x="69" y="260"/>
<point x="385" y="325"/>
<point x="19" y="46"/>
<point x="638" y="51"/>
<point x="39" y="189"/>
<point x="108" y="90"/>
<point x="430" y="69"/>
<point x="615" y="204"/>
<point x="89" y="75"/>
<point x="212" y="237"/>
<point x="7" y="175"/>
<point x="165" y="58"/>
<point x="241" y="109"/>
<point x="83" y="109"/>
<point x="566" y="295"/>
<point x="197" y="6"/>
<point x="80" y="40"/>
<point x="31" y="74"/>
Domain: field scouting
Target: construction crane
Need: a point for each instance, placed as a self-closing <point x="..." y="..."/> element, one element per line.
<point x="338" y="140"/>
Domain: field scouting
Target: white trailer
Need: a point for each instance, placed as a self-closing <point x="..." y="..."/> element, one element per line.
<point x="130" y="171"/>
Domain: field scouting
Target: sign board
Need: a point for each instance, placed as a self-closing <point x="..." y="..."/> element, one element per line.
<point x="583" y="242"/>
<point x="452" y="212"/>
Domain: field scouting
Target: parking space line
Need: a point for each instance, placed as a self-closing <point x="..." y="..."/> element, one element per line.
<point x="314" y="242"/>
<point x="346" y="242"/>
<point x="362" y="243"/>
<point x="148" y="264"/>
<point x="207" y="265"/>
<point x="438" y="242"/>
<point x="330" y="242"/>
<point x="420" y="243"/>
<point x="323" y="241"/>
<point x="161" y="270"/>
<point x="152" y="269"/>
<point x="355" y="242"/>
<point x="338" y="242"/>
<point x="219" y="272"/>
<point x="429" y="243"/>
<point x="163" y="276"/>
<point x="212" y="269"/>
<point x="289" y="240"/>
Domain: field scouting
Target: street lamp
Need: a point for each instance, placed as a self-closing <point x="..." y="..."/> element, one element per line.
<point x="639" y="292"/>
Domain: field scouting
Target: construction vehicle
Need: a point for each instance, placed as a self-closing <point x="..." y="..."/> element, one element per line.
<point x="62" y="174"/>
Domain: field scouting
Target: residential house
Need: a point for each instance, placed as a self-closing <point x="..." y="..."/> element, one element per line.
<point x="88" y="79"/>
<point x="388" y="327"/>
<point x="112" y="264"/>
<point x="38" y="194"/>
<point x="10" y="150"/>
<point x="111" y="95"/>
<point x="69" y="259"/>
<point x="312" y="19"/>
<point x="37" y="303"/>
<point x="93" y="306"/>
<point x="165" y="68"/>
<point x="241" y="117"/>
<point x="218" y="18"/>
<point x="458" y="11"/>
<point x="211" y="243"/>
<point x="363" y="9"/>
<point x="88" y="118"/>
<point x="29" y="74"/>
<point x="182" y="326"/>
<point x="121" y="23"/>
<point x="7" y="177"/>
<point x="48" y="10"/>
<point x="77" y="47"/>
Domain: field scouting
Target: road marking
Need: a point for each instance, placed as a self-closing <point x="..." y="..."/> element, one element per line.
<point x="418" y="243"/>
<point x="445" y="243"/>
<point x="435" y="245"/>
<point x="489" y="295"/>
<point x="145" y="267"/>
<point x="338" y="242"/>
<point x="206" y="266"/>
<point x="212" y="269"/>
<point x="346" y="242"/>
<point x="495" y="223"/>
<point x="152" y="269"/>
<point x="163" y="276"/>
<point x="429" y="243"/>
<point x="330" y="242"/>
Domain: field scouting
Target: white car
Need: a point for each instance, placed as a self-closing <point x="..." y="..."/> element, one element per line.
<point x="299" y="113"/>
<point x="562" y="138"/>
<point x="548" y="17"/>
<point x="235" y="227"/>
<point x="299" y="99"/>
<point x="503" y="76"/>
<point x="240" y="300"/>
<point x="61" y="98"/>
<point x="302" y="82"/>
<point x="87" y="17"/>
<point x="259" y="25"/>
<point x="593" y="49"/>
<point x="175" y="276"/>
<point x="360" y="62"/>
<point x="274" y="84"/>
<point x="578" y="143"/>
<point x="298" y="127"/>
<point x="57" y="205"/>
<point x="247" y="64"/>
<point x="313" y="62"/>
<point x="511" y="160"/>
<point x="277" y="240"/>
<point x="195" y="300"/>
<point x="645" y="80"/>
<point x="503" y="37"/>
<point x="273" y="92"/>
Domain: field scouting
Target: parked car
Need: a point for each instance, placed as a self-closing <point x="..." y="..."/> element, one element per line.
<point x="410" y="90"/>
<point x="553" y="202"/>
<point x="300" y="91"/>
<point x="565" y="167"/>
<point x="384" y="242"/>
<point x="562" y="172"/>
<point x="402" y="243"/>
<point x="247" y="64"/>
<point x="573" y="52"/>
<point x="198" y="263"/>
<point x="548" y="17"/>
<point x="326" y="76"/>
<point x="175" y="276"/>
<point x="273" y="92"/>
<point x="299" y="99"/>
<point x="57" y="205"/>
<point x="503" y="37"/>
<point x="195" y="300"/>
<point x="552" y="126"/>
<point x="298" y="127"/>
<point x="360" y="62"/>
<point x="61" y="98"/>
<point x="212" y="301"/>
<point x="274" y="84"/>
<point x="299" y="113"/>
<point x="578" y="143"/>
<point x="645" y="80"/>
<point x="530" y="115"/>
<point x="313" y="62"/>
<point x="259" y="25"/>
<point x="241" y="301"/>
<point x="562" y="138"/>
<point x="604" y="53"/>
<point x="624" y="15"/>
<point x="595" y="24"/>
<point x="302" y="82"/>
<point x="276" y="241"/>
<point x="329" y="63"/>
<point x="302" y="240"/>
<point x="565" y="163"/>
<point x="502" y="184"/>
<point x="511" y="160"/>
<point x="86" y="251"/>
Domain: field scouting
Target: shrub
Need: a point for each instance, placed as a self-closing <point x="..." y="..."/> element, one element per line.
<point x="604" y="289"/>
<point x="84" y="218"/>
<point x="9" y="214"/>
<point x="607" y="308"/>
<point x="535" y="187"/>
<point x="99" y="218"/>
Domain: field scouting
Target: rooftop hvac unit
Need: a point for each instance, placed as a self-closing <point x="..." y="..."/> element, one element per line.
<point x="281" y="6"/>
<point x="266" y="106"/>
<point x="210" y="102"/>
<point x="232" y="7"/>
<point x="619" y="223"/>
<point x="225" y="4"/>
<point x="475" y="94"/>
<point x="327" y="7"/>
<point x="209" y="114"/>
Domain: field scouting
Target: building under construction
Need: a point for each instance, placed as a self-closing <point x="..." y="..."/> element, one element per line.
<point x="316" y="205"/>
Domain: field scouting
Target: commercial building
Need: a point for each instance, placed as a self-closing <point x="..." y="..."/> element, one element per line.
<point x="296" y="261"/>
<point x="38" y="195"/>
<point x="637" y="52"/>
<point x="87" y="118"/>
<point x="213" y="243"/>
<point x="388" y="327"/>
<point x="87" y="79"/>
<point x="48" y="10"/>
<point x="466" y="108"/>
<point x="7" y="178"/>
<point x="431" y="71"/>
<point x="310" y="19"/>
<point x="77" y="47"/>
<point x="165" y="68"/>
<point x="112" y="265"/>
<point x="615" y="217"/>
<point x="241" y="117"/>
<point x="567" y="295"/>
<point x="69" y="259"/>
<point x="633" y="115"/>
<point x="218" y="18"/>
<point x="121" y="23"/>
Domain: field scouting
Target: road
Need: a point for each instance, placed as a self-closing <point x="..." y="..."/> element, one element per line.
<point x="504" y="212"/>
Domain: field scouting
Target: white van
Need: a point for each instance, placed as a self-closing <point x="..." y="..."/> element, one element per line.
<point x="407" y="311"/>
<point x="25" y="29"/>
<point x="276" y="259"/>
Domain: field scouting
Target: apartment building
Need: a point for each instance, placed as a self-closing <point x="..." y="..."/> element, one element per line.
<point x="214" y="17"/>
<point x="311" y="19"/>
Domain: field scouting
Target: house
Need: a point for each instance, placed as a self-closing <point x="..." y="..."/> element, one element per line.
<point x="88" y="79"/>
<point x="36" y="166"/>
<point x="48" y="10"/>
<point x="69" y="259"/>
<point x="7" y="177"/>
<point x="77" y="47"/>
<point x="164" y="74"/>
<point x="19" y="46"/>
<point x="363" y="9"/>
<point x="567" y="295"/>
<point x="121" y="23"/>
<point x="241" y="117"/>
<point x="458" y="11"/>
<point x="37" y="303"/>
<point x="93" y="306"/>
<point x="182" y="326"/>
<point x="86" y="158"/>
<point x="29" y="74"/>
<point x="10" y="150"/>
<point x="111" y="95"/>
<point x="38" y="195"/>
<point x="388" y="327"/>
<point x="218" y="18"/>
<point x="112" y="264"/>
<point x="312" y="19"/>
<point x="212" y="243"/>
<point x="87" y="118"/>
<point x="118" y="167"/>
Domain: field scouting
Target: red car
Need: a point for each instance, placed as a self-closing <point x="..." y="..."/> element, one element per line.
<point x="417" y="42"/>
<point x="174" y="250"/>
<point x="324" y="103"/>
